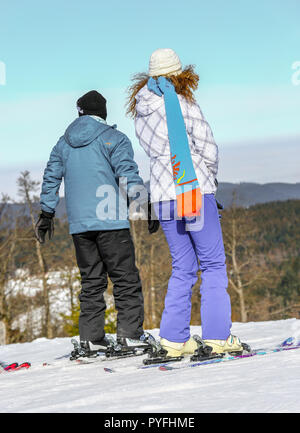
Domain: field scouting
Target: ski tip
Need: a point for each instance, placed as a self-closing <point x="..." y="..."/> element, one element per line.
<point x="165" y="368"/>
<point x="25" y="365"/>
<point x="11" y="366"/>
<point x="15" y="366"/>
<point x="288" y="342"/>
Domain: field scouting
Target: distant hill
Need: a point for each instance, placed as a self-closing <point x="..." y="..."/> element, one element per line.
<point x="243" y="194"/>
<point x="248" y="194"/>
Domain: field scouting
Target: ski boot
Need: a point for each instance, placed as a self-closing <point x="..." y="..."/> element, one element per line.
<point x="232" y="345"/>
<point x="203" y="351"/>
<point x="140" y="344"/>
<point x="159" y="354"/>
<point x="179" y="349"/>
<point x="89" y="349"/>
<point x="130" y="347"/>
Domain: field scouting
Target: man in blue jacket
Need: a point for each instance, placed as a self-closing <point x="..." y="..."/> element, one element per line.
<point x="89" y="156"/>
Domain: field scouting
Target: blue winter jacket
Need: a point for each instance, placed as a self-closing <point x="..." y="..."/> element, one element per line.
<point x="91" y="157"/>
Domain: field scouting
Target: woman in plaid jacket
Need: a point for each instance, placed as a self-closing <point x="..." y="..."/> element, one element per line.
<point x="190" y="242"/>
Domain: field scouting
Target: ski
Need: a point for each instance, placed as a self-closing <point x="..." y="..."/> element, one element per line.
<point x="14" y="366"/>
<point x="158" y="355"/>
<point x="288" y="344"/>
<point x="85" y="360"/>
<point x="155" y="358"/>
<point x="114" y="351"/>
<point x="24" y="365"/>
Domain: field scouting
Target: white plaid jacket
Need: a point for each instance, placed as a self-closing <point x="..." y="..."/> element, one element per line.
<point x="152" y="132"/>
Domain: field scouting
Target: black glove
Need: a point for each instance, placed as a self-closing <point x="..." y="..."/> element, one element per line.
<point x="44" y="224"/>
<point x="219" y="205"/>
<point x="153" y="225"/>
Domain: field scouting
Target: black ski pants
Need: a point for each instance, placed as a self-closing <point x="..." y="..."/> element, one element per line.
<point x="102" y="253"/>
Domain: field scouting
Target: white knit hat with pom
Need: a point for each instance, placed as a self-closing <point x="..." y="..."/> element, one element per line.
<point x="164" y="61"/>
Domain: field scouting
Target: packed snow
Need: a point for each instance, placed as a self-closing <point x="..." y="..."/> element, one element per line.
<point x="261" y="384"/>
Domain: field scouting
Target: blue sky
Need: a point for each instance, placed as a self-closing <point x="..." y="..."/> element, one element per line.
<point x="243" y="51"/>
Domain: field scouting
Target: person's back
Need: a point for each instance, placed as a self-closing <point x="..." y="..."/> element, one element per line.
<point x="89" y="156"/>
<point x="173" y="132"/>
<point x="152" y="132"/>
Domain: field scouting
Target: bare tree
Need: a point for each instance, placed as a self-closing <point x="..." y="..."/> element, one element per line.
<point x="244" y="265"/>
<point x="27" y="187"/>
<point x="7" y="247"/>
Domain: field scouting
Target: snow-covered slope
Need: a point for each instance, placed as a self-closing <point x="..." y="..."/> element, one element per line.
<point x="269" y="383"/>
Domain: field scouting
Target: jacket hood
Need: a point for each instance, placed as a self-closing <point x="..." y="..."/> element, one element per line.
<point x="83" y="131"/>
<point x="147" y="102"/>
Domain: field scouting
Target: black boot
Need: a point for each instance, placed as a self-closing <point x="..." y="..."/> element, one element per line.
<point x="139" y="344"/>
<point x="126" y="346"/>
<point x="89" y="349"/>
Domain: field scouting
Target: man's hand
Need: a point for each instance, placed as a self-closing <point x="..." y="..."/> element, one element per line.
<point x="44" y="224"/>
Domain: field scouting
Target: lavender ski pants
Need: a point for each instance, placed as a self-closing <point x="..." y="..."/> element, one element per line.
<point x="188" y="248"/>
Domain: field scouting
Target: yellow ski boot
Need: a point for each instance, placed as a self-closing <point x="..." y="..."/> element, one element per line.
<point x="178" y="349"/>
<point x="232" y="345"/>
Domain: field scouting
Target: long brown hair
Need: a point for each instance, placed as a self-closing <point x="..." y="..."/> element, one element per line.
<point x="185" y="84"/>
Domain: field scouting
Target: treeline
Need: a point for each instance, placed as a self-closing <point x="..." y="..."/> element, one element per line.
<point x="39" y="284"/>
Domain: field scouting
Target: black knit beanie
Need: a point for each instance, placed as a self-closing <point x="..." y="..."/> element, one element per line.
<point x="92" y="103"/>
